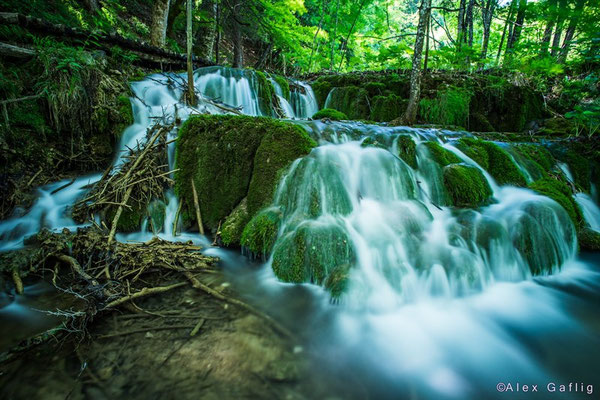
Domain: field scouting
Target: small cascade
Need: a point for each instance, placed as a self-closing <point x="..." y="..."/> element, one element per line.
<point x="303" y="100"/>
<point x="285" y="105"/>
<point x="590" y="210"/>
<point x="363" y="212"/>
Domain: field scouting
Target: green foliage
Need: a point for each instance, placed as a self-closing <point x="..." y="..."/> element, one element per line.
<point x="449" y="107"/>
<point x="331" y="114"/>
<point x="559" y="192"/>
<point x="441" y="155"/>
<point x="466" y="186"/>
<point x="586" y="118"/>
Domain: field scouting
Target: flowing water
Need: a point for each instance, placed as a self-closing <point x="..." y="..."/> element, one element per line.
<point x="440" y="302"/>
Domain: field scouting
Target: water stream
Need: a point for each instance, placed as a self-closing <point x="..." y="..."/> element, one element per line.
<point x="440" y="302"/>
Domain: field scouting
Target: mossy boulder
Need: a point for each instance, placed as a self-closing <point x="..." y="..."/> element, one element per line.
<point x="407" y="150"/>
<point x="557" y="126"/>
<point x="373" y="141"/>
<point x="441" y="155"/>
<point x="466" y="186"/>
<point x="311" y="253"/>
<point x="261" y="232"/>
<point x="387" y="108"/>
<point x="589" y="240"/>
<point x="284" y="84"/>
<point x="266" y="92"/>
<point x="479" y="123"/>
<point x="450" y="106"/>
<point x="232" y="228"/>
<point x="351" y="100"/>
<point x="233" y="157"/>
<point x="331" y="114"/>
<point x="580" y="167"/>
<point x="538" y="154"/>
<point x="493" y="159"/>
<point x="559" y="192"/>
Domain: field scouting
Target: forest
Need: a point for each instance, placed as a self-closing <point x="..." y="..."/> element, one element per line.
<point x="299" y="199"/>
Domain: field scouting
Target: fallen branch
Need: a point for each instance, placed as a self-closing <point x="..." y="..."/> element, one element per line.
<point x="143" y="293"/>
<point x="197" y="207"/>
<point x="144" y="330"/>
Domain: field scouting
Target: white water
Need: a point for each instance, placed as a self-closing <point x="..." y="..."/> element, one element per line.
<point x="440" y="301"/>
<point x="591" y="212"/>
<point x="303" y="101"/>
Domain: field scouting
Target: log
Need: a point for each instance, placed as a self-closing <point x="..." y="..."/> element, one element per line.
<point x="103" y="41"/>
<point x="8" y="50"/>
<point x="197" y="207"/>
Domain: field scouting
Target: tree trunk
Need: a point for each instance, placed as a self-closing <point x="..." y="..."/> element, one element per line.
<point x="207" y="32"/>
<point x="191" y="94"/>
<point x="238" y="46"/>
<point x="174" y="11"/>
<point x="562" y="7"/>
<point x="518" y="26"/>
<point x="158" y="28"/>
<point x="415" y="74"/>
<point x="549" y="27"/>
<point x="461" y="23"/>
<point x="333" y="38"/>
<point x="575" y="16"/>
<point x="488" y="16"/>
<point x="218" y="30"/>
<point x="427" y="33"/>
<point x="469" y="22"/>
<point x="506" y="24"/>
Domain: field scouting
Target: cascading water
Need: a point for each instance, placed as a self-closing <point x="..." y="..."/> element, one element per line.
<point x="438" y="302"/>
<point x="369" y="208"/>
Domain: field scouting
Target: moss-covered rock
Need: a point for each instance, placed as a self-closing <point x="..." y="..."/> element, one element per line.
<point x="373" y="141"/>
<point x="351" y="100"/>
<point x="331" y="114"/>
<point x="232" y="157"/>
<point x="266" y="92"/>
<point x="466" y="186"/>
<point x="589" y="240"/>
<point x="559" y="192"/>
<point x="450" y="106"/>
<point x="493" y="159"/>
<point x="130" y="219"/>
<point x="407" y="150"/>
<point x="387" y="108"/>
<point x="233" y="227"/>
<point x="311" y="253"/>
<point x="284" y="84"/>
<point x="261" y="232"/>
<point x="441" y="155"/>
<point x="580" y="167"/>
<point x="479" y="123"/>
<point x="557" y="126"/>
<point x="538" y="154"/>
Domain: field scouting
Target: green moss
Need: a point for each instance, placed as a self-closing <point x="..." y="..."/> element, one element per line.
<point x="466" y="186"/>
<point x="493" y="159"/>
<point x="557" y="126"/>
<point x="284" y="84"/>
<point x="373" y="141"/>
<point x="331" y="114"/>
<point x="129" y="221"/>
<point x="232" y="228"/>
<point x="261" y="232"/>
<point x="589" y="240"/>
<point x="440" y="154"/>
<point x="351" y="100"/>
<point x="479" y="123"/>
<point x="580" y="168"/>
<point x="125" y="115"/>
<point x="559" y="192"/>
<point x="407" y="150"/>
<point x="232" y="157"/>
<point x="387" y="108"/>
<point x="449" y="107"/>
<point x="337" y="281"/>
<point x="538" y="154"/>
<point x="266" y="92"/>
<point x="311" y="253"/>
<point x="375" y="88"/>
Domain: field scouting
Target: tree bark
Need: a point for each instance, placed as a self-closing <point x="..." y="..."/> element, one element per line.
<point x="518" y="26"/>
<point x="506" y="25"/>
<point x="559" y="26"/>
<point x="469" y="22"/>
<point x="575" y="16"/>
<point x="460" y="35"/>
<point x="410" y="115"/>
<point x="191" y="94"/>
<point x="158" y="28"/>
<point x="238" y="47"/>
<point x="333" y="38"/>
<point x="551" y="20"/>
<point x="487" y="15"/>
<point x="207" y="31"/>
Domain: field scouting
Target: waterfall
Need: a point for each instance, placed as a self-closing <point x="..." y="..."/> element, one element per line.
<point x="303" y="100"/>
<point x="285" y="105"/>
<point x="370" y="209"/>
<point x="591" y="212"/>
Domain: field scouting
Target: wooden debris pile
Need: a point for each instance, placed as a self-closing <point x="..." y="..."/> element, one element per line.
<point x="132" y="185"/>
